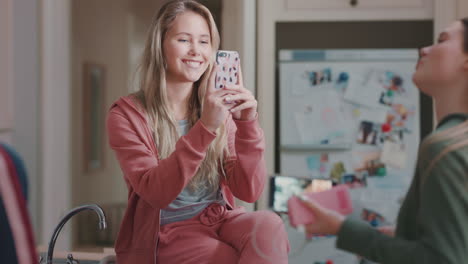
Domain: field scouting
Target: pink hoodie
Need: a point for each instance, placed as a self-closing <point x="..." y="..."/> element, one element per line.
<point x="153" y="183"/>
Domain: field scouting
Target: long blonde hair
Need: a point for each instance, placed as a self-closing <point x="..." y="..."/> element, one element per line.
<point x="153" y="93"/>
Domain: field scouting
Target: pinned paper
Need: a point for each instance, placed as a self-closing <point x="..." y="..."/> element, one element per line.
<point x="364" y="90"/>
<point x="375" y="115"/>
<point x="323" y="122"/>
<point x="394" y="154"/>
<point x="305" y="124"/>
<point x="299" y="85"/>
<point x="368" y="133"/>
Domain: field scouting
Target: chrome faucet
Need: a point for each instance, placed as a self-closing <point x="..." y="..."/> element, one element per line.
<point x="94" y="207"/>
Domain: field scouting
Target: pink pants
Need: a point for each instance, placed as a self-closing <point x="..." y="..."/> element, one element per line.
<point x="219" y="235"/>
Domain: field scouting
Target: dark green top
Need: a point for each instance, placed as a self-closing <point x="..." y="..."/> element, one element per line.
<point x="432" y="225"/>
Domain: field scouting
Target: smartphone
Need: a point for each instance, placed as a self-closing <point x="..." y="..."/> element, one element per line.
<point x="228" y="68"/>
<point x="282" y="188"/>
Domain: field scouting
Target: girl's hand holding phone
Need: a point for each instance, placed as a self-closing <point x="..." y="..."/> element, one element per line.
<point x="243" y="105"/>
<point x="215" y="109"/>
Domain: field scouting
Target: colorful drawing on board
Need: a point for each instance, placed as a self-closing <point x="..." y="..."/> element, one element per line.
<point x="341" y="82"/>
<point x="324" y="168"/>
<point x="368" y="133"/>
<point x="355" y="180"/>
<point x="370" y="163"/>
<point x="319" y="77"/>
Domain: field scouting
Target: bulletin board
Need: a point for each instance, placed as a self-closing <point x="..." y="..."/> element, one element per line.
<point x="349" y="113"/>
<point x="351" y="116"/>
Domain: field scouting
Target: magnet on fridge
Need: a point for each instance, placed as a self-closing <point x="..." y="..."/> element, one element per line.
<point x="386" y="128"/>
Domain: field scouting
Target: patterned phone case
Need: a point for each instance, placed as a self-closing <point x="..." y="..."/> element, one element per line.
<point x="228" y="72"/>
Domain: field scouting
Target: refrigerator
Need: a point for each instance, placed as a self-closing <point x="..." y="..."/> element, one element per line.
<point x="350" y="116"/>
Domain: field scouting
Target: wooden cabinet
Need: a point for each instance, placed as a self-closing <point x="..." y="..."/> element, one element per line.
<point x="326" y="4"/>
<point x="339" y="10"/>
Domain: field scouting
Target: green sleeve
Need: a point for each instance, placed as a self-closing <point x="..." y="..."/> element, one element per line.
<point x="443" y="221"/>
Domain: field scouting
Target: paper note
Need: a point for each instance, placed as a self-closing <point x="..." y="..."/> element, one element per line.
<point x="394" y="154"/>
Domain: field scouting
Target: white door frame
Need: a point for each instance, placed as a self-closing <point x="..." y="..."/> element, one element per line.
<point x="56" y="116"/>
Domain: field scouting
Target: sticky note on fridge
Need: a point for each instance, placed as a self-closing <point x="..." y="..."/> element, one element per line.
<point x="393" y="154"/>
<point x="336" y="199"/>
<point x="375" y="115"/>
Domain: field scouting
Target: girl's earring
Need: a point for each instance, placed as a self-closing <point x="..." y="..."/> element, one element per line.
<point x="165" y="65"/>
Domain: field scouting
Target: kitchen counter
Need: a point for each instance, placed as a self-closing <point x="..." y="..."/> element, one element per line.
<point x="105" y="256"/>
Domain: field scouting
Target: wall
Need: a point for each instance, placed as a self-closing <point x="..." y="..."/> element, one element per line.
<point x="20" y="52"/>
<point x="447" y="11"/>
<point x="99" y="35"/>
<point x="6" y="113"/>
<point x="139" y="19"/>
<point x="25" y="84"/>
<point x="238" y="33"/>
<point x="55" y="97"/>
<point x="462" y="10"/>
<point x="110" y="33"/>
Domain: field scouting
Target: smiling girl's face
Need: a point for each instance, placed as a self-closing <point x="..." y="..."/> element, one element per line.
<point x="187" y="48"/>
